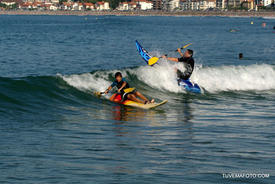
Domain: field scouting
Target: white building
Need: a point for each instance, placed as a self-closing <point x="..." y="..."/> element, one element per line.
<point x="124" y="6"/>
<point x="101" y="5"/>
<point x="106" y="6"/>
<point x="206" y="4"/>
<point x="197" y="4"/>
<point x="77" y="6"/>
<point x="174" y="4"/>
<point x="8" y="3"/>
<point x="267" y="2"/>
<point x="53" y="7"/>
<point x="144" y="4"/>
<point x="67" y="6"/>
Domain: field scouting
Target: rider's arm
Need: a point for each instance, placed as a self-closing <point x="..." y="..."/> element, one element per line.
<point x="171" y="58"/>
<point x="107" y="90"/>
<point x="123" y="85"/>
<point x="179" y="50"/>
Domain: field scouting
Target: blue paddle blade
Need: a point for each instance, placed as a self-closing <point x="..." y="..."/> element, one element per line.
<point x="144" y="54"/>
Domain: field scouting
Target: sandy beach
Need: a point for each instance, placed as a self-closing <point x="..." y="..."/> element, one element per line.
<point x="144" y="13"/>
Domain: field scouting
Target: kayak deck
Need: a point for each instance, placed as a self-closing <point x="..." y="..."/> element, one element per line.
<point x="142" y="106"/>
<point x="189" y="86"/>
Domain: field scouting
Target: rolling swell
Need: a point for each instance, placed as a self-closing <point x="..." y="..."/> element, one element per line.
<point x="32" y="94"/>
<point x="35" y="94"/>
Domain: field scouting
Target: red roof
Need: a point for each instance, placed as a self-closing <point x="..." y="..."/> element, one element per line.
<point x="26" y="4"/>
<point x="88" y="4"/>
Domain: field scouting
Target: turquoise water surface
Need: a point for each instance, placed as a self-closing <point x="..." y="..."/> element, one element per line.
<point x="54" y="130"/>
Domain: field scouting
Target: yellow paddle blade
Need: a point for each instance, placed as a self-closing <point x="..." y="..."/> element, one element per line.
<point x="152" y="61"/>
<point x="98" y="94"/>
<point x="128" y="90"/>
<point x="186" y="45"/>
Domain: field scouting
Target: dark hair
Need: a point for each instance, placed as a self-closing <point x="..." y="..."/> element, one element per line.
<point x="118" y="74"/>
<point x="190" y="52"/>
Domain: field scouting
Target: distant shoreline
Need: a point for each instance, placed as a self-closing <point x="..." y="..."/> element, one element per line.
<point x="143" y="13"/>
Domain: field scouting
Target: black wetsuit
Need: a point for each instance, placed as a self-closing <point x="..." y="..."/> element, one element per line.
<point x="189" y="67"/>
<point x="122" y="92"/>
<point x="119" y="84"/>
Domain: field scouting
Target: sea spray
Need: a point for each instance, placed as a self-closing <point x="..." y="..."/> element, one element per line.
<point x="88" y="81"/>
<point x="236" y="78"/>
<point x="163" y="77"/>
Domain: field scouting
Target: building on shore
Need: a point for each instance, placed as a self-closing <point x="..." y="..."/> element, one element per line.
<point x="268" y="3"/>
<point x="157" y="4"/>
<point x="135" y="5"/>
<point x="77" y="6"/>
<point x="67" y="6"/>
<point x="228" y="4"/>
<point x="198" y="4"/>
<point x="144" y="4"/>
<point x="248" y="4"/>
<point x="233" y="4"/>
<point x="220" y="4"/>
<point x="89" y="6"/>
<point x="10" y="3"/>
<point x="174" y="4"/>
<point x="185" y="5"/>
<point x="102" y="6"/>
<point x="37" y="6"/>
<point x="164" y="5"/>
<point x="236" y="4"/>
<point x="206" y="4"/>
<point x="126" y="6"/>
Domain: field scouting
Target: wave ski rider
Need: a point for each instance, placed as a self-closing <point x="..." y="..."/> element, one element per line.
<point x="122" y="92"/>
<point x="187" y="60"/>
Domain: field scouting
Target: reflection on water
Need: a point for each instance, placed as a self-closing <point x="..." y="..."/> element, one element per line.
<point x="152" y="139"/>
<point x="124" y="113"/>
<point x="187" y="109"/>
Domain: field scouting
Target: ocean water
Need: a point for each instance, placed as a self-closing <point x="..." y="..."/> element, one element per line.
<point x="54" y="130"/>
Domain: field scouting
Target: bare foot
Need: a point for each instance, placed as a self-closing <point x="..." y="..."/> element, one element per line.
<point x="152" y="101"/>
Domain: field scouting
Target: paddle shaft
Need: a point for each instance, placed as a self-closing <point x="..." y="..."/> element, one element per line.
<point x="185" y="46"/>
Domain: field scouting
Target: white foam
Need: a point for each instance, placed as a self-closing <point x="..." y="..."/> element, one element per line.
<point x="236" y="78"/>
<point x="213" y="79"/>
<point x="163" y="77"/>
<point x="88" y="81"/>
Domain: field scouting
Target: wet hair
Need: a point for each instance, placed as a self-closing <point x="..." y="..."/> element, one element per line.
<point x="118" y="74"/>
<point x="190" y="52"/>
